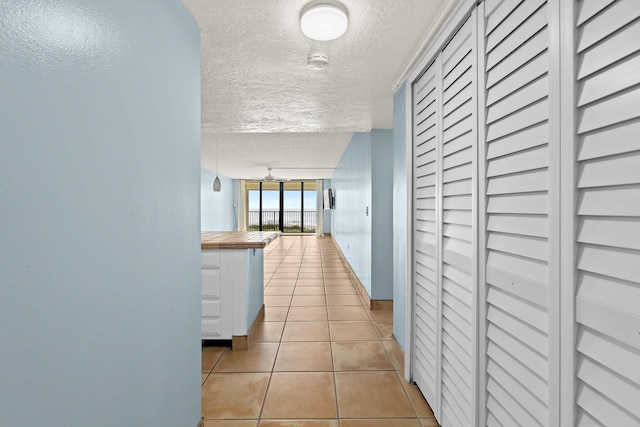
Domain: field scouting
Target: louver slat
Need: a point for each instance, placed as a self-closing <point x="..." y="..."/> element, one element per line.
<point x="457" y="242"/>
<point x="426" y="165"/>
<point x="608" y="213"/>
<point x="517" y="207"/>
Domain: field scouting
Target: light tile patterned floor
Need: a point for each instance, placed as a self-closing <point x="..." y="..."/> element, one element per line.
<point x="320" y="358"/>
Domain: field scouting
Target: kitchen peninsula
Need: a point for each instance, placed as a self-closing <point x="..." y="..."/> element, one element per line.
<point x="232" y="284"/>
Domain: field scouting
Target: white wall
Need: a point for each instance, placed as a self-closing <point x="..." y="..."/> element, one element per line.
<point x="99" y="196"/>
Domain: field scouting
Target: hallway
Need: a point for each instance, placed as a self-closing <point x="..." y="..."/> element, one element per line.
<point x="319" y="358"/>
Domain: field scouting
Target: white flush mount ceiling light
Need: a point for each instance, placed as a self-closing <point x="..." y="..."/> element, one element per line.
<point x="324" y="22"/>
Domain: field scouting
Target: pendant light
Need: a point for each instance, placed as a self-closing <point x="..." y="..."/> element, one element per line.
<point x="216" y="183"/>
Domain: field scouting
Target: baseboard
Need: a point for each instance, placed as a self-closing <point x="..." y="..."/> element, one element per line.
<point x="371" y="304"/>
<point x="256" y="322"/>
<point x="397" y="354"/>
<point x="241" y="342"/>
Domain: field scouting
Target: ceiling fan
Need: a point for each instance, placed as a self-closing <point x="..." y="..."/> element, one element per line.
<point x="271" y="178"/>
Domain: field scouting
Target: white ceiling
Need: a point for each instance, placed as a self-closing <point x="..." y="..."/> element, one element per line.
<point x="266" y="108"/>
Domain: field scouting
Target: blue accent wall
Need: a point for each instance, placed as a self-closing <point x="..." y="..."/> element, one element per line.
<point x="400" y="206"/>
<point x="255" y="280"/>
<point x="381" y="213"/>
<point x="351" y="227"/>
<point x="100" y="214"/>
<point x="362" y="218"/>
<point x="218" y="211"/>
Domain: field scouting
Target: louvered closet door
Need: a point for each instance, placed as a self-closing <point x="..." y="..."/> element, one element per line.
<point x="516" y="154"/>
<point x="608" y="213"/>
<point x="458" y="267"/>
<point x="426" y="252"/>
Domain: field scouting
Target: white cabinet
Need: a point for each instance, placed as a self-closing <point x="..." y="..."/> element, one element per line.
<point x="232" y="292"/>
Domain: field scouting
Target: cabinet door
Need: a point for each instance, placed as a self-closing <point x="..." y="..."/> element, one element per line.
<point x="516" y="208"/>
<point x="426" y="164"/>
<point x="607" y="162"/>
<point x="458" y="240"/>
<point x="445" y="242"/>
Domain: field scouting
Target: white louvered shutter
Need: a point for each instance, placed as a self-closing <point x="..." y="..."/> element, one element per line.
<point x="426" y="252"/>
<point x="458" y="266"/>
<point x="517" y="158"/>
<point x="445" y="269"/>
<point x="608" y="213"/>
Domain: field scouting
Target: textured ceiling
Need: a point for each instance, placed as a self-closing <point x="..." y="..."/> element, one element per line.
<point x="268" y="109"/>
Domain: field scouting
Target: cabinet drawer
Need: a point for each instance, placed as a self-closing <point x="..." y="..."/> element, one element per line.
<point x="210" y="308"/>
<point x="211" y="283"/>
<point x="211" y="328"/>
<point x="210" y="259"/>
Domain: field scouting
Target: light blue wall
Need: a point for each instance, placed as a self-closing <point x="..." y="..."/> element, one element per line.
<point x="99" y="207"/>
<point x="362" y="218"/>
<point x="255" y="280"/>
<point x="351" y="227"/>
<point x="217" y="211"/>
<point x="381" y="213"/>
<point x="400" y="207"/>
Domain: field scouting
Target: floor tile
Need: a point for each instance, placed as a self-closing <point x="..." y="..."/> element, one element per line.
<point x="334" y="269"/>
<point x="300" y="423"/>
<point x="340" y="290"/>
<point x="309" y="275"/>
<point x="288" y="275"/>
<point x="300" y="395"/>
<point x="331" y="275"/>
<point x="306" y="331"/>
<point x="304" y="356"/>
<point x="310" y="282"/>
<point x="384" y="398"/>
<point x="308" y="301"/>
<point x="278" y="290"/>
<point x="275" y="314"/>
<point x="307" y="314"/>
<point x="306" y="269"/>
<point x="277" y="300"/>
<point x="381" y="423"/>
<point x="284" y="269"/>
<point x="309" y="290"/>
<point x="268" y="332"/>
<point x="258" y="358"/>
<point x="384" y="329"/>
<point x="352" y="331"/>
<point x="343" y="300"/>
<point x="347" y="312"/>
<point x="429" y="422"/>
<point x="360" y="356"/>
<point x="204" y="377"/>
<point x="210" y="356"/>
<point x="282" y="282"/>
<point x="230" y="423"/>
<point x="420" y="405"/>
<point x="381" y="315"/>
<point x="337" y="282"/>
<point x="235" y="395"/>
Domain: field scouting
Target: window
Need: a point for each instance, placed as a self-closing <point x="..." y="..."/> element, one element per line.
<point x="289" y="207"/>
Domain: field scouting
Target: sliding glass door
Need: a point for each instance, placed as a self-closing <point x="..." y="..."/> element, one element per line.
<point x="289" y="207"/>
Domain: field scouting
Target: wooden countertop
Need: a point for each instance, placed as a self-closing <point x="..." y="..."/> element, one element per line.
<point x="237" y="239"/>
